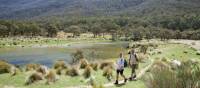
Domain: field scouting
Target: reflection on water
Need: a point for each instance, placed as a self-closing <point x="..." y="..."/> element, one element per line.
<point x="47" y="56"/>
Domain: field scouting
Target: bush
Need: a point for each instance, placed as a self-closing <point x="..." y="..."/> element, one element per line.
<point x="105" y="64"/>
<point x="60" y="64"/>
<point x="4" y="67"/>
<point x="78" y="55"/>
<point x="143" y="49"/>
<point x="72" y="72"/>
<point x="108" y="72"/>
<point x="94" y="66"/>
<point x="83" y="63"/>
<point x="87" y="72"/>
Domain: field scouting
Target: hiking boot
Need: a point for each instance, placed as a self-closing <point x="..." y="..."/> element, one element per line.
<point x="125" y="80"/>
<point x="116" y="82"/>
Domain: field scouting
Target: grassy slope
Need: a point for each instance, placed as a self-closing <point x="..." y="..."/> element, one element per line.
<point x="168" y="50"/>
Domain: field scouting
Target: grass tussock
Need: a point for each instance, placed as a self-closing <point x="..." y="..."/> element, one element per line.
<point x="94" y="66"/>
<point x="83" y="63"/>
<point x="4" y="67"/>
<point x="186" y="76"/>
<point x="72" y="72"/>
<point x="108" y="72"/>
<point x="51" y="77"/>
<point x="87" y="72"/>
<point x="60" y="64"/>
<point x="35" y="77"/>
<point x="31" y="67"/>
<point x="106" y="64"/>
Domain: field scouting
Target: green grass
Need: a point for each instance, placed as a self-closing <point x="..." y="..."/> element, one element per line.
<point x="176" y="51"/>
<point x="27" y="42"/>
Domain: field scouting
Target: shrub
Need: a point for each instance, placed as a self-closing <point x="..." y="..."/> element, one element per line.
<point x="105" y="64"/>
<point x="72" y="72"/>
<point x="4" y="67"/>
<point x="108" y="72"/>
<point x="77" y="56"/>
<point x="60" y="64"/>
<point x="143" y="49"/>
<point x="94" y="66"/>
<point x="83" y="63"/>
<point x="87" y="72"/>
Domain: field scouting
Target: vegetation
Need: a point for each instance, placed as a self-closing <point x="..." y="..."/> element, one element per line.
<point x="187" y="75"/>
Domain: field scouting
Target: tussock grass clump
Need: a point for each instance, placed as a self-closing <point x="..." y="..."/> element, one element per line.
<point x="160" y="65"/>
<point x="186" y="76"/>
<point x="60" y="64"/>
<point x="106" y="64"/>
<point x="108" y="72"/>
<point x="87" y="72"/>
<point x="83" y="63"/>
<point x="59" y="71"/>
<point x="35" y="77"/>
<point x="42" y="69"/>
<point x="51" y="77"/>
<point x="72" y="72"/>
<point x="31" y="67"/>
<point x="4" y="67"/>
<point x="94" y="66"/>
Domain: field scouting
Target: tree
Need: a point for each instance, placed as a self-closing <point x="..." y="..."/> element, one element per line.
<point x="76" y="30"/>
<point x="52" y="30"/>
<point x="4" y="32"/>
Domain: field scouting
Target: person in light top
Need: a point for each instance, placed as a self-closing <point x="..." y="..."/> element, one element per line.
<point x="120" y="68"/>
<point x="133" y="63"/>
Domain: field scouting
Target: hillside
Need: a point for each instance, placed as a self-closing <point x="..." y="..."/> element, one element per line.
<point x="12" y="9"/>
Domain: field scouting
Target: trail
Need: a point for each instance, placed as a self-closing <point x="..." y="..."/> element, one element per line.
<point x="140" y="74"/>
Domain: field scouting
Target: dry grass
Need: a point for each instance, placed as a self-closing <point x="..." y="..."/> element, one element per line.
<point x="4" y="67"/>
<point x="106" y="64"/>
<point x="83" y="63"/>
<point x="60" y="64"/>
<point x="73" y="71"/>
<point x="87" y="71"/>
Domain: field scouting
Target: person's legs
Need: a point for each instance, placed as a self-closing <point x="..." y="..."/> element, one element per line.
<point x="133" y="74"/>
<point x="117" y="77"/>
<point x="122" y="74"/>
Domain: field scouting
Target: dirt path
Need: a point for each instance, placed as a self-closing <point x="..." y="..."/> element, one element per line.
<point x="140" y="74"/>
<point x="193" y="43"/>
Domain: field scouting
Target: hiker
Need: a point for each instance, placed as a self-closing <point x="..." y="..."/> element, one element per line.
<point x="133" y="63"/>
<point x="120" y="68"/>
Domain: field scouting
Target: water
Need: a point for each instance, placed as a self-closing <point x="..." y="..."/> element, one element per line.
<point x="47" y="56"/>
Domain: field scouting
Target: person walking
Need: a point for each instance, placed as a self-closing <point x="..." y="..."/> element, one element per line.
<point x="120" y="68"/>
<point x="133" y="63"/>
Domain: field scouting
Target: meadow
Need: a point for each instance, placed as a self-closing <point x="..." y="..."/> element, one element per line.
<point x="163" y="50"/>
